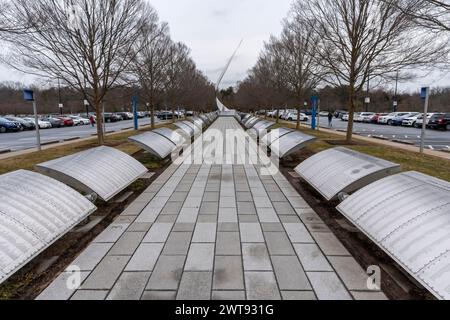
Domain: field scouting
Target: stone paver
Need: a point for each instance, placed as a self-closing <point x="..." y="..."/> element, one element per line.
<point x="215" y="229"/>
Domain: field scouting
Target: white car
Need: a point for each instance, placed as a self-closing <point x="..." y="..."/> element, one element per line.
<point x="42" y="124"/>
<point x="389" y="118"/>
<point x="345" y="117"/>
<point x="324" y="114"/>
<point x="292" y="116"/>
<point x="366" y="117"/>
<point x="78" y="121"/>
<point x="419" y="121"/>
<point x="411" y="121"/>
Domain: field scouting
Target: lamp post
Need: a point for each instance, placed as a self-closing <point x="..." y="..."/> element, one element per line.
<point x="395" y="104"/>
<point x="28" y="95"/>
<point x="60" y="104"/>
<point x="425" y="95"/>
<point x="86" y="105"/>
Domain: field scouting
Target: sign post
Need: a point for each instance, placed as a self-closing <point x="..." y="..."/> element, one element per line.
<point x="28" y="95"/>
<point x="314" y="100"/>
<point x="135" y="113"/>
<point x="424" y="95"/>
<point x="86" y="105"/>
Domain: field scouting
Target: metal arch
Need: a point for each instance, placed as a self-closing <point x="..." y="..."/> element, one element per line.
<point x="103" y="170"/>
<point x="205" y="119"/>
<point x="194" y="127"/>
<point x="262" y="127"/>
<point x="274" y="135"/>
<point x="156" y="144"/>
<point x="343" y="170"/>
<point x="251" y="123"/>
<point x="199" y="123"/>
<point x="188" y="130"/>
<point x="291" y="143"/>
<point x="173" y="136"/>
<point x="35" y="211"/>
<point x="408" y="216"/>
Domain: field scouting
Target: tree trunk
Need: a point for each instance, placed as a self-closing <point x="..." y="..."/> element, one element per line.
<point x="99" y="114"/>
<point x="351" y="116"/>
<point x="299" y="109"/>
<point x="173" y="115"/>
<point x="278" y="116"/>
<point x="152" y="116"/>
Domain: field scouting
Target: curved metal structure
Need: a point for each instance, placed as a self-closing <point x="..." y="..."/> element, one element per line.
<point x="35" y="211"/>
<point x="103" y="170"/>
<point x="291" y="143"/>
<point x="173" y="136"/>
<point x="274" y="135"/>
<point x="343" y="170"/>
<point x="408" y="216"/>
<point x="188" y="130"/>
<point x="199" y="123"/>
<point x="158" y="145"/>
<point x="252" y="122"/>
<point x="261" y="127"/>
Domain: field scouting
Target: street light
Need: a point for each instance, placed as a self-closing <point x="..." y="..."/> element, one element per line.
<point x="86" y="105"/>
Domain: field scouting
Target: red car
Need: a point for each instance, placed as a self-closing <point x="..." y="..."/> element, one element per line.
<point x="68" y="122"/>
<point x="377" y="116"/>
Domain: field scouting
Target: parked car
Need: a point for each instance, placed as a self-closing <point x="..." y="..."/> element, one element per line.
<point x="292" y="116"/>
<point x="67" y="122"/>
<point x="345" y="117"/>
<point x="80" y="121"/>
<point x="376" y="117"/>
<point x="357" y="117"/>
<point x="54" y="122"/>
<point x="165" y="115"/>
<point x="411" y="121"/>
<point x="338" y="114"/>
<point x="42" y="124"/>
<point x="9" y="126"/>
<point x="126" y="115"/>
<point x="440" y="122"/>
<point x="25" y="125"/>
<point x="419" y="122"/>
<point x="366" y="117"/>
<point x="112" y="117"/>
<point x="389" y="118"/>
<point x="324" y="113"/>
<point x="398" y="120"/>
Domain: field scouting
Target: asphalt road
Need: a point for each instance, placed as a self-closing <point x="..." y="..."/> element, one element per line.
<point x="27" y="139"/>
<point x="434" y="139"/>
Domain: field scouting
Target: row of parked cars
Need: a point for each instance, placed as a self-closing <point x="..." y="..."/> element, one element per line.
<point x="288" y="115"/>
<point x="434" y="120"/>
<point x="16" y="124"/>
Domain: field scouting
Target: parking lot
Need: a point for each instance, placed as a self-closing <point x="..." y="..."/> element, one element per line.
<point x="435" y="140"/>
<point x="27" y="139"/>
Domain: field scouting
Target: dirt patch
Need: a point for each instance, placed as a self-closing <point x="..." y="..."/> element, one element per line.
<point x="37" y="275"/>
<point x="396" y="284"/>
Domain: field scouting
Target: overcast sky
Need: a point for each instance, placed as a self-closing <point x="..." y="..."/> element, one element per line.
<point x="214" y="28"/>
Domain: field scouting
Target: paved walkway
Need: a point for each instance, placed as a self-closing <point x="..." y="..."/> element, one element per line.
<point x="211" y="230"/>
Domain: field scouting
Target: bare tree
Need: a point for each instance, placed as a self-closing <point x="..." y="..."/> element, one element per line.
<point x="297" y="49"/>
<point x="150" y="63"/>
<point x="179" y="63"/>
<point x="430" y="14"/>
<point x="86" y="43"/>
<point x="367" y="39"/>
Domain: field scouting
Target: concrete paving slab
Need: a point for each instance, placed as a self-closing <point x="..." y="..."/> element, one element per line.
<point x="167" y="273"/>
<point x="200" y="257"/>
<point x="158" y="233"/>
<point x="91" y="257"/>
<point x="256" y="257"/>
<point x="329" y="244"/>
<point x="290" y="274"/>
<point x="195" y="286"/>
<point x="129" y="286"/>
<point x="298" y="295"/>
<point x="312" y="258"/>
<point x="261" y="286"/>
<point x="159" y="295"/>
<point x="228" y="273"/>
<point x="145" y="257"/>
<point x="228" y="295"/>
<point x="106" y="273"/>
<point x="127" y="244"/>
<point x="298" y="233"/>
<point x="327" y="286"/>
<point x="251" y="233"/>
<point x="90" y="295"/>
<point x="278" y="244"/>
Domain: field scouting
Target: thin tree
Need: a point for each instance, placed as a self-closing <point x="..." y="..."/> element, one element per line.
<point x="362" y="40"/>
<point x="88" y="44"/>
<point x="150" y="63"/>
